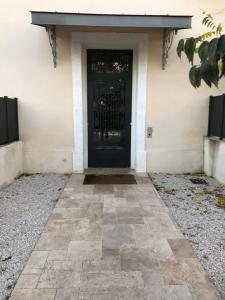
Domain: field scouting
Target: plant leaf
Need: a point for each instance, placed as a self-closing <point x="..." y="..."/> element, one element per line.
<point x="220" y="67"/>
<point x="215" y="73"/>
<point x="203" y="51"/>
<point x="180" y="47"/>
<point x="212" y="49"/>
<point x="221" y="46"/>
<point x="219" y="29"/>
<point x="205" y="36"/>
<point x="206" y="73"/>
<point x="195" y="76"/>
<point x="189" y="49"/>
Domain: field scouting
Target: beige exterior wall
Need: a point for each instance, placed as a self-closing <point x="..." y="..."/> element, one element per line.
<point x="177" y="112"/>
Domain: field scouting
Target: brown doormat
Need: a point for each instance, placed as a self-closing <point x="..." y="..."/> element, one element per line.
<point x="109" y="179"/>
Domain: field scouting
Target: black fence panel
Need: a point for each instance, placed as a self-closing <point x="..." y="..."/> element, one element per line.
<point x="223" y="131"/>
<point x="9" y="131"/>
<point x="3" y="122"/>
<point x="12" y="120"/>
<point x="216" y="116"/>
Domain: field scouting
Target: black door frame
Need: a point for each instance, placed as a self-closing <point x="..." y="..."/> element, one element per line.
<point x="115" y="161"/>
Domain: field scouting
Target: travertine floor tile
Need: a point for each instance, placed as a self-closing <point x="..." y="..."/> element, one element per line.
<point x="98" y="295"/>
<point x="204" y="292"/>
<point x="27" y="281"/>
<point x="152" y="277"/>
<point x="112" y="280"/>
<point x="66" y="265"/>
<point x="33" y="294"/>
<point x="66" y="225"/>
<point x="53" y="241"/>
<point x="58" y="255"/>
<point x="115" y="236"/>
<point x="83" y="250"/>
<point x="58" y="279"/>
<point x="74" y="213"/>
<point x="37" y="260"/>
<point x="130" y="293"/>
<point x="158" y="248"/>
<point x="103" y="189"/>
<point x="109" y="218"/>
<point x="183" y="271"/>
<point x="92" y="232"/>
<point x="106" y="252"/>
<point x="181" y="248"/>
<point x="160" y="223"/>
<point x="112" y="242"/>
<point x="105" y="264"/>
<point x="138" y="259"/>
<point x="170" y="292"/>
<point x="67" y="294"/>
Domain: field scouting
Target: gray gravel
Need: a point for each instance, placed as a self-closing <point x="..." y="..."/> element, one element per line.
<point x="25" y="206"/>
<point x="194" y="207"/>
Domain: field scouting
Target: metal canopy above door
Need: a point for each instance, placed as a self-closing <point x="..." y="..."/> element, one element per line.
<point x="169" y="24"/>
<point x="43" y="18"/>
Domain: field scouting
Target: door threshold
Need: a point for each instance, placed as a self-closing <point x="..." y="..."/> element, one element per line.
<point x="109" y="171"/>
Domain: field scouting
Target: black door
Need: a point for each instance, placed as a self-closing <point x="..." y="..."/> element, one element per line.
<point x="109" y="107"/>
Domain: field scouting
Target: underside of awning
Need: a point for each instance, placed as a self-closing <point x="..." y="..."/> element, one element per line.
<point x="169" y="24"/>
<point x="108" y="20"/>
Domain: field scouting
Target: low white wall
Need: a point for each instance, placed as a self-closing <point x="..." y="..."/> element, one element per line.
<point x="175" y="161"/>
<point x="11" y="162"/>
<point x="214" y="158"/>
<point x="47" y="160"/>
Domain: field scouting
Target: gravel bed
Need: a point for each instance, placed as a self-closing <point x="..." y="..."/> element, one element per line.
<point x="195" y="209"/>
<point x="25" y="206"/>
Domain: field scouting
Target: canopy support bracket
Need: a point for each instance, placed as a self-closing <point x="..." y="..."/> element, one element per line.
<point x="52" y="41"/>
<point x="168" y="35"/>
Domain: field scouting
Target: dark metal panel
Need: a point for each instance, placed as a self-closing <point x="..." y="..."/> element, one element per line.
<point x="210" y="116"/>
<point x="223" y="126"/>
<point x="216" y="116"/>
<point x="12" y="120"/>
<point x="9" y="131"/>
<point x="3" y="122"/>
<point x="101" y="20"/>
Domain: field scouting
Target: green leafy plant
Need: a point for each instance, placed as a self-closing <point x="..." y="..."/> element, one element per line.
<point x="210" y="50"/>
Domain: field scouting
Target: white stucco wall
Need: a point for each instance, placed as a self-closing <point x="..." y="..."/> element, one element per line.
<point x="11" y="162"/>
<point x="214" y="158"/>
<point x="177" y="112"/>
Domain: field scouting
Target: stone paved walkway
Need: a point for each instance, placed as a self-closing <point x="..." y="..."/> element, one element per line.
<point x="111" y="242"/>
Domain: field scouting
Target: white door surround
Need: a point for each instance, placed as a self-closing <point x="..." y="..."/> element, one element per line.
<point x="138" y="42"/>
